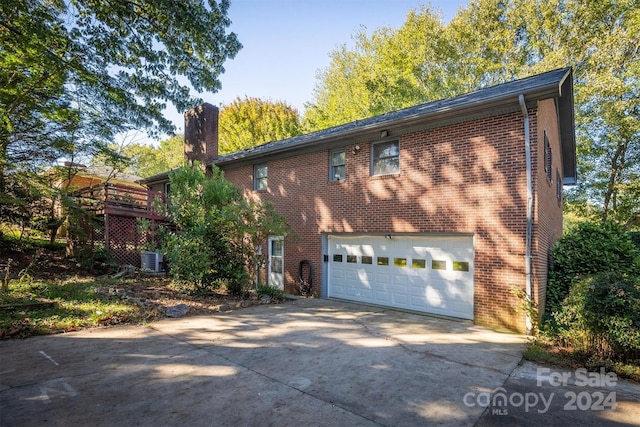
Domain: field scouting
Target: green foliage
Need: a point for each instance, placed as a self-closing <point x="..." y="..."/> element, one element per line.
<point x="201" y="210"/>
<point x="493" y="41"/>
<point x="601" y="316"/>
<point x="76" y="305"/>
<point x="250" y="122"/>
<point x="270" y="291"/>
<point x="587" y="249"/>
<point x="389" y="70"/>
<point x="12" y="240"/>
<point x="73" y="74"/>
<point x="145" y="160"/>
<point x="528" y="306"/>
<point x="214" y="230"/>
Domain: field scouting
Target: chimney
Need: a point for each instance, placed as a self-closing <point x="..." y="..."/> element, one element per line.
<point x="201" y="134"/>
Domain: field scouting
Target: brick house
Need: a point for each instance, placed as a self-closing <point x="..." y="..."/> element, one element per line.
<point x="443" y="208"/>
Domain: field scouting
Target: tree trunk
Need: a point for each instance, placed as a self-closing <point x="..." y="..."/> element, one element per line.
<point x="617" y="165"/>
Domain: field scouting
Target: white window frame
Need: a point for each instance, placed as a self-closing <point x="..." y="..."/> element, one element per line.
<point x="257" y="180"/>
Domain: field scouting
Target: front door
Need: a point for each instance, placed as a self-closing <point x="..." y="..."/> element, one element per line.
<point x="276" y="262"/>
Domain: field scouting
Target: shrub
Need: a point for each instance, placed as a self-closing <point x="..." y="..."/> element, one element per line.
<point x="275" y="293"/>
<point x="214" y="232"/>
<point x="601" y="316"/>
<point x="586" y="249"/>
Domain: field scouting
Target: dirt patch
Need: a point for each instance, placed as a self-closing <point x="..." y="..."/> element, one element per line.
<point x="78" y="299"/>
<point x="157" y="293"/>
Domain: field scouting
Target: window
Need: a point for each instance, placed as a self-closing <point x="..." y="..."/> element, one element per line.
<point x="337" y="258"/>
<point x="385" y="158"/>
<point x="460" y="266"/>
<point x="419" y="263"/>
<point x="400" y="262"/>
<point x="383" y="260"/>
<point x="438" y="265"/>
<point x="547" y="157"/>
<point x="352" y="259"/>
<point x="336" y="166"/>
<point x="167" y="188"/>
<point x="366" y="259"/>
<point x="260" y="177"/>
<point x="558" y="186"/>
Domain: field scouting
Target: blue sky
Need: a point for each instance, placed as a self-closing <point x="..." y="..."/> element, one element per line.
<point x="287" y="41"/>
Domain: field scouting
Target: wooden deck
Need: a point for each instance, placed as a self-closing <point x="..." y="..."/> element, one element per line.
<point x="120" y="200"/>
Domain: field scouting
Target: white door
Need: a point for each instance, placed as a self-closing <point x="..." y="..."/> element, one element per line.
<point x="276" y="262"/>
<point x="432" y="274"/>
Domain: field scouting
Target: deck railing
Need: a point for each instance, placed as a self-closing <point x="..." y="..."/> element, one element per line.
<point x="120" y="200"/>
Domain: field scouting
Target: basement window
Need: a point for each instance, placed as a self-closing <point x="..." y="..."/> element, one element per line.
<point x="385" y="158"/>
<point x="260" y="173"/>
<point x="337" y="165"/>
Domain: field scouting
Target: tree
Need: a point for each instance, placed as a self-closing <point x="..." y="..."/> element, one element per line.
<point x="250" y="122"/>
<point x="215" y="231"/>
<point x="389" y="70"/>
<point x="73" y="74"/>
<point x="143" y="159"/>
<point x="492" y="41"/>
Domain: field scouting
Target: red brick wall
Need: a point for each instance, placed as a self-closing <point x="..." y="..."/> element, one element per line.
<point x="465" y="178"/>
<point x="201" y="134"/>
<point x="548" y="208"/>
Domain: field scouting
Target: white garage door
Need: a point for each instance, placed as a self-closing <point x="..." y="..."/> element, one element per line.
<point x="432" y="274"/>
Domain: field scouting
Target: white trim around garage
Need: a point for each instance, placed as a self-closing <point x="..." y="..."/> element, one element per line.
<point x="429" y="273"/>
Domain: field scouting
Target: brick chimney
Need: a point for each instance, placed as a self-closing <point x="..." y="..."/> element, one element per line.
<point x="201" y="134"/>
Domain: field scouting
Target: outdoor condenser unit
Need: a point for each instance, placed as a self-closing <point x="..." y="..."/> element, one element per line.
<point x="150" y="260"/>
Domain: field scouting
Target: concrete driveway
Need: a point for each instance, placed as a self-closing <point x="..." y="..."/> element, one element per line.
<point x="303" y="363"/>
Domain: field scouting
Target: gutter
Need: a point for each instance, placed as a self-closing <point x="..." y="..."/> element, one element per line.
<point x="527" y="145"/>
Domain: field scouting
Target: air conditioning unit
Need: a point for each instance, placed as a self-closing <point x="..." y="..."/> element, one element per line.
<point x="150" y="261"/>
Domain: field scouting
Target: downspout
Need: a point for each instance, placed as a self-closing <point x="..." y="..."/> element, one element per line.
<point x="527" y="262"/>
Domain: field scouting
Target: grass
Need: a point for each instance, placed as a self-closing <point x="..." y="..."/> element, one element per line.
<point x="543" y="351"/>
<point x="10" y="240"/>
<point x="77" y="304"/>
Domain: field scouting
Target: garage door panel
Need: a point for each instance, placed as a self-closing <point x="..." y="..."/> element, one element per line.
<point x="399" y="299"/>
<point x="400" y="280"/>
<point x="381" y="297"/>
<point x="411" y="278"/>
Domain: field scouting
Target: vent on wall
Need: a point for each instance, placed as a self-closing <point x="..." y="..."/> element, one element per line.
<point x="150" y="260"/>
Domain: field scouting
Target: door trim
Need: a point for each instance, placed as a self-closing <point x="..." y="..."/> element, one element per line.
<point x="270" y="282"/>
